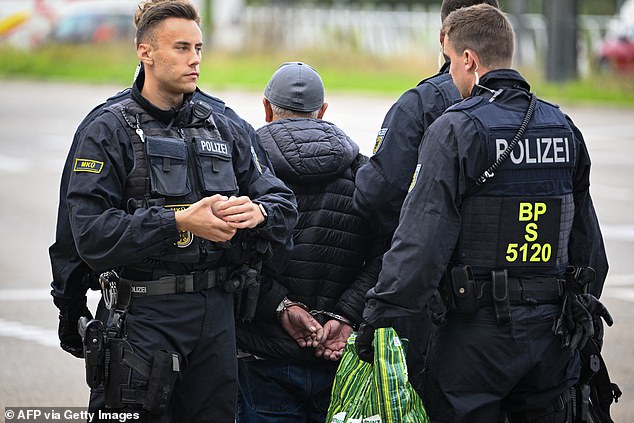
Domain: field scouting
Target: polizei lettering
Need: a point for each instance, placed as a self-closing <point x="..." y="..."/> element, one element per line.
<point x="536" y="150"/>
<point x="214" y="147"/>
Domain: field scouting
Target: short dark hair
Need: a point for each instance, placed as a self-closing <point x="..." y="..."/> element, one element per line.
<point x="150" y="13"/>
<point x="483" y="29"/>
<point x="449" y="6"/>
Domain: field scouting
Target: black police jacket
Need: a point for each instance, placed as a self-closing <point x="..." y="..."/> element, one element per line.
<point x="382" y="183"/>
<point x="72" y="277"/>
<point x="330" y="267"/>
<point x="453" y="155"/>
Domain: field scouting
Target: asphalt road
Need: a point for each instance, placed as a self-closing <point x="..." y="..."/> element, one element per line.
<point x="37" y="121"/>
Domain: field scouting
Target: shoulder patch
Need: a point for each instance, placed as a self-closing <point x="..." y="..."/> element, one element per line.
<point x="87" y="165"/>
<point x="414" y="177"/>
<point x="379" y="139"/>
<point x="256" y="160"/>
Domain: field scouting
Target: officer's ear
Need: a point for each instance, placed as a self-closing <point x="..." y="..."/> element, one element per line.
<point x="268" y="111"/>
<point x="144" y="53"/>
<point x="470" y="59"/>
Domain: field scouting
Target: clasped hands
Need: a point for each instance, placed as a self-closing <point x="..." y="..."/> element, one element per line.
<point x="328" y="340"/>
<point x="217" y="218"/>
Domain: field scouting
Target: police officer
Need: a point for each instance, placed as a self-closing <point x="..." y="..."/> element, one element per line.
<point x="72" y="277"/>
<point x="381" y="184"/>
<point x="159" y="183"/>
<point x="502" y="223"/>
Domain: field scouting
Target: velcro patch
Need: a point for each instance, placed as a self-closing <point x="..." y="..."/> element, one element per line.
<point x="529" y="231"/>
<point x="86" y="165"/>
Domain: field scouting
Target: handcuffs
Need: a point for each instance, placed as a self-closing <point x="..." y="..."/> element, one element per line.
<point x="285" y="304"/>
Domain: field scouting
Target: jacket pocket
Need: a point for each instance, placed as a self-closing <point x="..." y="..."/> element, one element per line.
<point x="167" y="159"/>
<point x="215" y="166"/>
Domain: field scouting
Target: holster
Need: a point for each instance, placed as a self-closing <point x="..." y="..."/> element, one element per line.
<point x="93" y="337"/>
<point x="161" y="376"/>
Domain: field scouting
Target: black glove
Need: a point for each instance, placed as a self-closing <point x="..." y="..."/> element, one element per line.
<point x="577" y="322"/>
<point x="70" y="310"/>
<point x="596" y="308"/>
<point x="363" y="342"/>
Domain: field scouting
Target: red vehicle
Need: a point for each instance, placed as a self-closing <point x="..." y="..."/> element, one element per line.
<point x="617" y="53"/>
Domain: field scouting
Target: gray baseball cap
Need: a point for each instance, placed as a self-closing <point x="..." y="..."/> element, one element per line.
<point x="295" y="86"/>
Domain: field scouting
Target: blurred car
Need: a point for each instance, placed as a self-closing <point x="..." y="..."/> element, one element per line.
<point x="94" y="22"/>
<point x="616" y="52"/>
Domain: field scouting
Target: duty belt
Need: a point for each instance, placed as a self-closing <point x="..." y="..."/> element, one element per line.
<point x="170" y="284"/>
<point x="502" y="291"/>
<point x="523" y="291"/>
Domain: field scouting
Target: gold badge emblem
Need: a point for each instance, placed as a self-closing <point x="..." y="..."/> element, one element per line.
<point x="185" y="237"/>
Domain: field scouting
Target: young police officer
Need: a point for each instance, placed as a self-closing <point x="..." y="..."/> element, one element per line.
<point x="502" y="222"/>
<point x="159" y="183"/>
<point x="381" y="184"/>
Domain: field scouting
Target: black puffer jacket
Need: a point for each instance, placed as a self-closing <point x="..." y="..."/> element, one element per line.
<point x="329" y="268"/>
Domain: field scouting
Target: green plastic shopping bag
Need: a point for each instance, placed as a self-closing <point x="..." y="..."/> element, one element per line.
<point x="378" y="392"/>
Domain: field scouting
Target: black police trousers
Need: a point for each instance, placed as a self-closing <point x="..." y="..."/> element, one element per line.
<point x="477" y="369"/>
<point x="200" y="328"/>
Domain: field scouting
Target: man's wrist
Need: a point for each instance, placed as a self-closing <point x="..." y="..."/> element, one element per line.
<point x="265" y="214"/>
<point x="285" y="304"/>
<point x="338" y="317"/>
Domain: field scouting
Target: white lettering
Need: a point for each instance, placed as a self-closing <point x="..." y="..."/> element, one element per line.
<point x="520" y="159"/>
<point x="548" y="142"/>
<point x="214" y="147"/>
<point x="500" y="146"/>
<point x="558" y="150"/>
<point x="536" y="150"/>
<point x="529" y="159"/>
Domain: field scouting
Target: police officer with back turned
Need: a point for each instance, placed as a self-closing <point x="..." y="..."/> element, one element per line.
<point x="160" y="183"/>
<point x="500" y="219"/>
<point x="381" y="184"/>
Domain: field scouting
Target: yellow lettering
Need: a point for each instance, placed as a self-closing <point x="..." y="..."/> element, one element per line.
<point x="526" y="212"/>
<point x="531" y="232"/>
<point x="530" y="211"/>
<point x="540" y="208"/>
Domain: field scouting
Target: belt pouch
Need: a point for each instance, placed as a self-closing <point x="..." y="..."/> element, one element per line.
<point x="464" y="289"/>
<point x="501" y="300"/>
<point x="165" y="370"/>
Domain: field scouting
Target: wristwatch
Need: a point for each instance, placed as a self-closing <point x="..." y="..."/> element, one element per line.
<point x="263" y="211"/>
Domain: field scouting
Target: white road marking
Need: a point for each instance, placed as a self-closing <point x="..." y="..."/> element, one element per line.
<point x="29" y="333"/>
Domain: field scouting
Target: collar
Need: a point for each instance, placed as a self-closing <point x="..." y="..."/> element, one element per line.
<point x="501" y="79"/>
<point x="168" y="117"/>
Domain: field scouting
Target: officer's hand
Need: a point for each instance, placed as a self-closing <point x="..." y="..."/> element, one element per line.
<point x="301" y="326"/>
<point x="363" y="342"/>
<point x="336" y="334"/>
<point x="239" y="212"/>
<point x="575" y="325"/>
<point x="596" y="308"/>
<point x="200" y="220"/>
<point x="70" y="310"/>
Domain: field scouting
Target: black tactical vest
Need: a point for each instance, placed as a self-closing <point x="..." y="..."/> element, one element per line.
<point x="174" y="167"/>
<point x="520" y="219"/>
